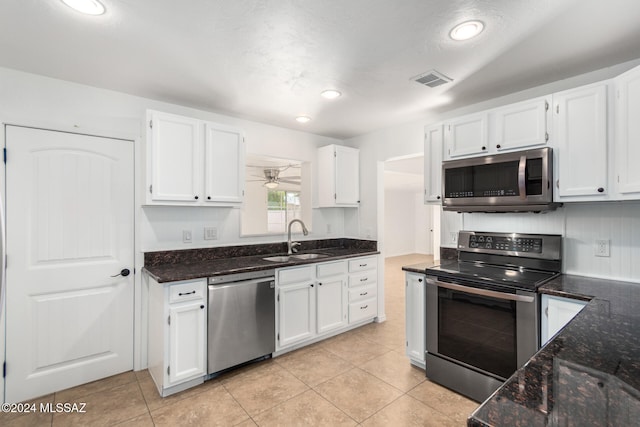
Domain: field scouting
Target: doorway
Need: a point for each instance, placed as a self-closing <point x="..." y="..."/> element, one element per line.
<point x="70" y="247"/>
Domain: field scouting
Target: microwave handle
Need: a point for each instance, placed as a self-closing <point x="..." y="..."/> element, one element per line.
<point x="522" y="170"/>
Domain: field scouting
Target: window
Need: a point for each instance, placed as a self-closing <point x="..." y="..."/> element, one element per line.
<point x="282" y="207"/>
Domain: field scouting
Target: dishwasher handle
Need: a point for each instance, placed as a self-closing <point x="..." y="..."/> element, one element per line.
<point x="270" y="280"/>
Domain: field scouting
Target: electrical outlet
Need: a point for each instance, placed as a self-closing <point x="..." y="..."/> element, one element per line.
<point x="186" y="236"/>
<point x="602" y="248"/>
<point x="210" y="233"/>
<point x="453" y="236"/>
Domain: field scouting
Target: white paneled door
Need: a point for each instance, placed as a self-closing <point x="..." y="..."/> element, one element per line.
<point x="70" y="234"/>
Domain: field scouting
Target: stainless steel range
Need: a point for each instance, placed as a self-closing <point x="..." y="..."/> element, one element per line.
<point x="482" y="311"/>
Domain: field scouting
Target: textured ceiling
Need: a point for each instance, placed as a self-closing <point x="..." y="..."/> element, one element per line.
<point x="268" y="60"/>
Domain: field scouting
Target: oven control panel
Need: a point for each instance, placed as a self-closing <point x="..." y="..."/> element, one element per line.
<point x="502" y="243"/>
<point x="547" y="246"/>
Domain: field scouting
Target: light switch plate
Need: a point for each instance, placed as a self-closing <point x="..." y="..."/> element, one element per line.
<point x="186" y="236"/>
<point x="210" y="233"/>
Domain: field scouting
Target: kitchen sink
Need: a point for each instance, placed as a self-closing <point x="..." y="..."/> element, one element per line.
<point x="282" y="258"/>
<point x="309" y="256"/>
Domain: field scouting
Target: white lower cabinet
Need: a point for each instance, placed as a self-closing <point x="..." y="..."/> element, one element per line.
<point x="415" y="318"/>
<point x="322" y="299"/>
<point x="556" y="313"/>
<point x="177" y="354"/>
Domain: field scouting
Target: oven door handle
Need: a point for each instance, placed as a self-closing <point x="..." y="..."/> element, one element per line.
<point x="483" y="292"/>
<point x="522" y="171"/>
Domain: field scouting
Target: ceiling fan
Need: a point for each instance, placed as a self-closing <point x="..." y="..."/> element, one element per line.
<point x="272" y="178"/>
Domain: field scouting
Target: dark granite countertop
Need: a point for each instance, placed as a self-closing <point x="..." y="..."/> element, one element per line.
<point x="420" y="267"/>
<point x="588" y="374"/>
<point x="172" y="266"/>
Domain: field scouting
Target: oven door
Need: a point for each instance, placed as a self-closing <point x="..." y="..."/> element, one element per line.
<point x="488" y="331"/>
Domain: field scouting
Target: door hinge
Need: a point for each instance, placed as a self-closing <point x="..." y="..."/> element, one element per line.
<point x="558" y="109"/>
<point x="546" y="137"/>
<point x="335" y="154"/>
<point x="151" y="189"/>
<point x="4" y="369"/>
<point x="546" y="106"/>
<point x="168" y="320"/>
<point x="407" y="343"/>
<point x="278" y="297"/>
<point x="335" y="196"/>
<point x="4" y="153"/>
<point x="168" y="370"/>
<point x="151" y="124"/>
<point x="278" y="336"/>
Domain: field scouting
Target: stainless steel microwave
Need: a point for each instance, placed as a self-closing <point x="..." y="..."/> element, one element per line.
<point x="511" y="182"/>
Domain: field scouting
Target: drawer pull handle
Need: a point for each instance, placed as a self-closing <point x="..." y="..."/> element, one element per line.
<point x="186" y="293"/>
<point x="365" y="307"/>
<point x="364" y="279"/>
<point x="363" y="265"/>
<point x="364" y="293"/>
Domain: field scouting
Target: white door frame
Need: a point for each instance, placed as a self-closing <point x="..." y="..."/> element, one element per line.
<point x="140" y="305"/>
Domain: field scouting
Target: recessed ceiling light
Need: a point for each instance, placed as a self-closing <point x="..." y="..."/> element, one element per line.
<point x="330" y="94"/>
<point x="466" y="30"/>
<point x="88" y="7"/>
<point x="303" y="119"/>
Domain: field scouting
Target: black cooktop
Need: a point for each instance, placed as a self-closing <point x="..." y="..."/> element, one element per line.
<point x="481" y="274"/>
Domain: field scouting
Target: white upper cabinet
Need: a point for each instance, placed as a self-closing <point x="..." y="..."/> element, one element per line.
<point x="433" y="140"/>
<point x="338" y="176"/>
<point x="519" y="126"/>
<point x="175" y="154"/>
<point x="193" y="162"/>
<point x="580" y="143"/>
<point x="466" y="136"/>
<point x="224" y="164"/>
<point x="627" y="140"/>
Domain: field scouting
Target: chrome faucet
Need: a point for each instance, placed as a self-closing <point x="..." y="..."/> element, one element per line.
<point x="292" y="247"/>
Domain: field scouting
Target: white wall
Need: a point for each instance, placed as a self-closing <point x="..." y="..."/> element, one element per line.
<point x="407" y="222"/>
<point x="577" y="222"/>
<point x="33" y="100"/>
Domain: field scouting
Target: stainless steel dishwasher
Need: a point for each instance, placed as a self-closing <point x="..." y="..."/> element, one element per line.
<point x="241" y="319"/>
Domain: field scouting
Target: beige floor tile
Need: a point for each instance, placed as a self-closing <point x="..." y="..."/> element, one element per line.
<point x="32" y="418"/>
<point x="257" y="393"/>
<point x="215" y="407"/>
<point x="396" y="370"/>
<point x="141" y="421"/>
<point x="354" y="348"/>
<point x="155" y="401"/>
<point x="444" y="400"/>
<point x="106" y="408"/>
<point x="72" y="394"/>
<point x="247" y="423"/>
<point x="306" y="409"/>
<point x="142" y="375"/>
<point x="407" y="411"/>
<point x="358" y="393"/>
<point x="315" y="367"/>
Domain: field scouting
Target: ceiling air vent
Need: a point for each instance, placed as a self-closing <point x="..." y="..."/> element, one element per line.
<point x="432" y="78"/>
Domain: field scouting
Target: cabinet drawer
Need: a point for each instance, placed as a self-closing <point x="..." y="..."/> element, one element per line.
<point x="362" y="264"/>
<point x="363" y="292"/>
<point x="365" y="309"/>
<point x="295" y="275"/>
<point x="331" y="269"/>
<point x="363" y="278"/>
<point x="187" y="291"/>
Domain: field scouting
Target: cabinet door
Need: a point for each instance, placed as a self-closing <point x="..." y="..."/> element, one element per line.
<point x="347" y="175"/>
<point x="415" y="316"/>
<point x="224" y="164"/>
<point x="556" y="313"/>
<point x="520" y="125"/>
<point x="296" y="313"/>
<point x="175" y="158"/>
<point x="627" y="146"/>
<point x="331" y="304"/>
<point x="580" y="129"/>
<point x="466" y="136"/>
<point x="187" y="341"/>
<point x="433" y="140"/>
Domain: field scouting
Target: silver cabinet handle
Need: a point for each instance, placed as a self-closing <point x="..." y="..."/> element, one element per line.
<point x="364" y="293"/>
<point x="365" y="307"/>
<point x="364" y="279"/>
<point x="483" y="292"/>
<point x="186" y="293"/>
